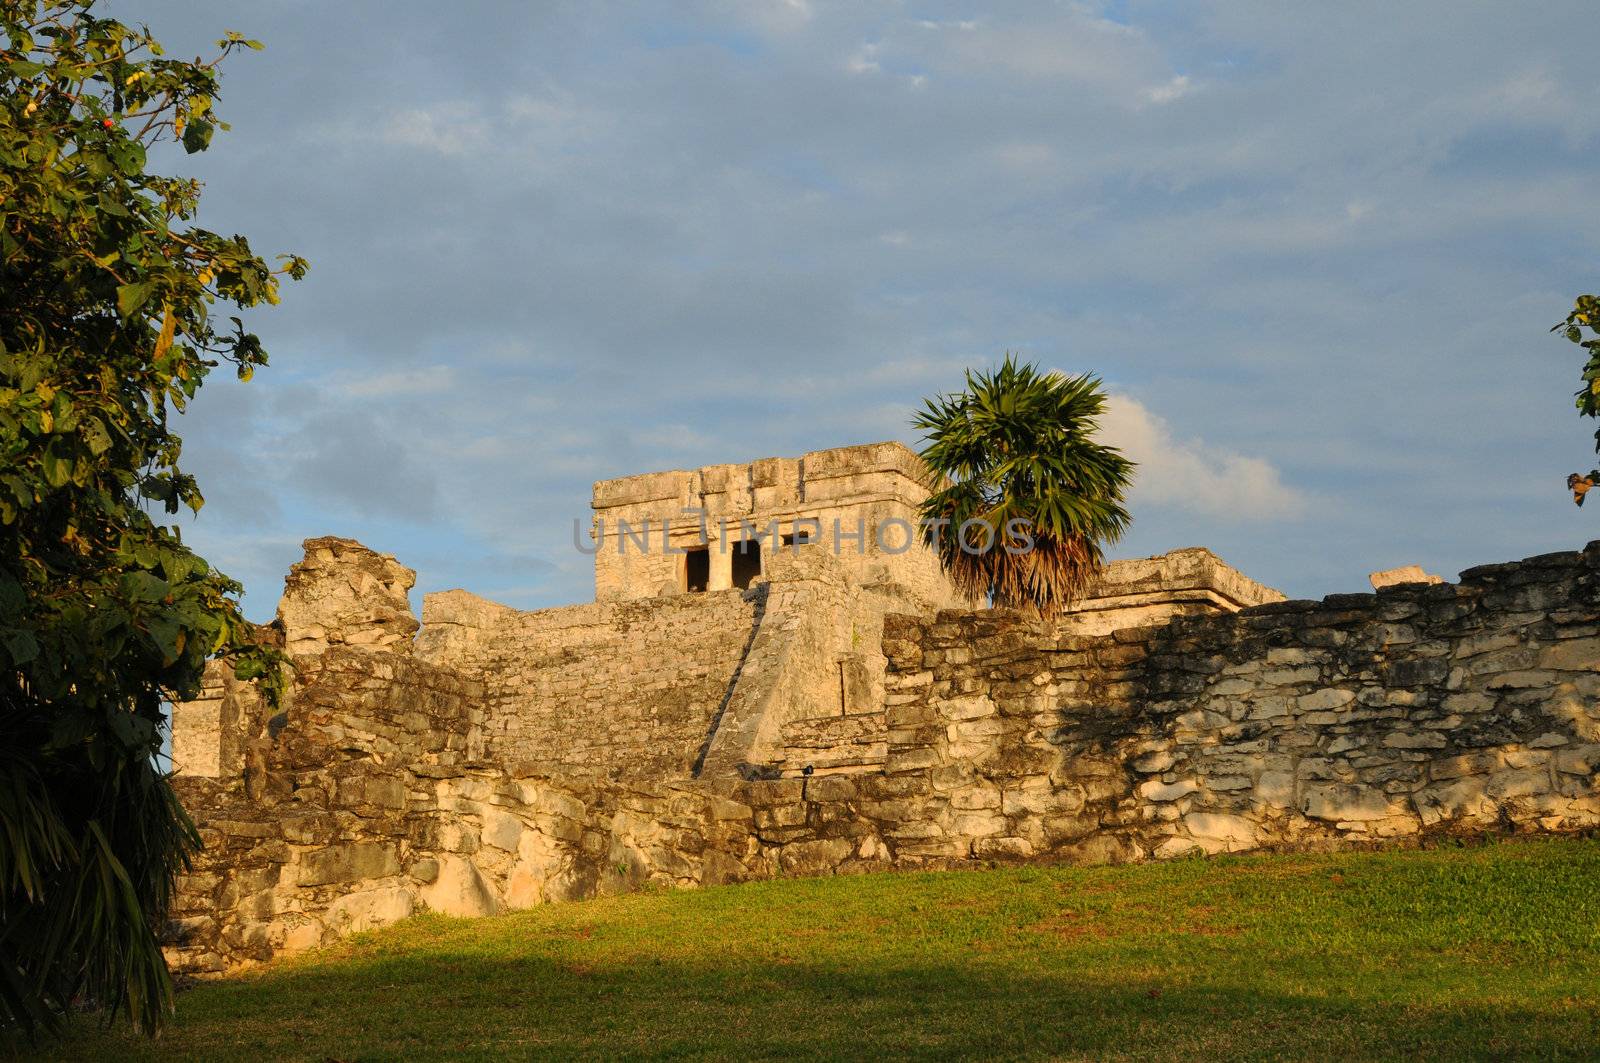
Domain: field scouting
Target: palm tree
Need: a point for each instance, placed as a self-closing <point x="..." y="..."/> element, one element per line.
<point x="1023" y="497"/>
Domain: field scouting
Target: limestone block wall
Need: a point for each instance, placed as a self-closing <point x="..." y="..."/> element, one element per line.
<point x="1359" y="718"/>
<point x="1418" y="711"/>
<point x="620" y="689"/>
<point x="197" y="729"/>
<point x="366" y="807"/>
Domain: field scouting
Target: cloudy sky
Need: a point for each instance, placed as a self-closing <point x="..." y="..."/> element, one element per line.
<point x="1313" y="249"/>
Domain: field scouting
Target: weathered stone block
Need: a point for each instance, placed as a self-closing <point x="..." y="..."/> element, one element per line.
<point x="1422" y="740"/>
<point x="1322" y="700"/>
<point x="977" y="824"/>
<point x="1579" y="760"/>
<point x="1581" y="654"/>
<point x="1342" y="802"/>
<point x="501" y="830"/>
<point x="1156" y="790"/>
<point x="983" y="796"/>
<point x="459" y="889"/>
<point x="1532" y="677"/>
<point x="1002" y="848"/>
<point x="367" y="909"/>
<point x="1235" y="832"/>
<point x="349" y="862"/>
<point x="1152" y="763"/>
<point x="1276" y="788"/>
<point x="815" y="857"/>
<point x="911" y="760"/>
<point x="1458" y="800"/>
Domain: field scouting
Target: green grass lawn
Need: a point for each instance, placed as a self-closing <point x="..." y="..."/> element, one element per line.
<point x="1485" y="953"/>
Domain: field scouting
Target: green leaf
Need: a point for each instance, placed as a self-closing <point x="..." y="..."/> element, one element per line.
<point x="130" y="297"/>
<point x="108" y="204"/>
<point x="56" y="468"/>
<point x="11" y="596"/>
<point x="97" y="163"/>
<point x="169" y="638"/>
<point x="22" y="646"/>
<point x="144" y="586"/>
<point x="128" y="154"/>
<point x="135" y="732"/>
<point x="197" y="136"/>
<point x="96" y="436"/>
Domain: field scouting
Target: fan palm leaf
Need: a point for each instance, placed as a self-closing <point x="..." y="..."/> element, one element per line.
<point x="1023" y="497"/>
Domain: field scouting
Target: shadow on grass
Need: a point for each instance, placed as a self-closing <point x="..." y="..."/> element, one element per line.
<point x="453" y="1006"/>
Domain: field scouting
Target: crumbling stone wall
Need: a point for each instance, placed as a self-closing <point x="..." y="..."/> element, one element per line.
<point x="673" y="687"/>
<point x="1360" y="719"/>
<point x="341" y="593"/>
<point x="619" y="689"/>
<point x="365" y="807"/>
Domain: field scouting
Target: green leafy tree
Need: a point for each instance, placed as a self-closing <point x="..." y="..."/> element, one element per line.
<point x="1025" y="498"/>
<point x="106" y="333"/>
<point x="1581" y="328"/>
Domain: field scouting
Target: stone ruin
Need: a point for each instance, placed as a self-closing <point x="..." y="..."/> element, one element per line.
<point x="748" y="702"/>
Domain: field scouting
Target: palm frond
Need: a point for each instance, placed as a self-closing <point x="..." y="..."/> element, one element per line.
<point x="1018" y="445"/>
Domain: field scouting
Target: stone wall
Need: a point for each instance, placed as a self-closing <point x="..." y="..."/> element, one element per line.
<point x="1359" y="718"/>
<point x="621" y="689"/>
<point x="382" y="785"/>
<point x="365" y="807"/>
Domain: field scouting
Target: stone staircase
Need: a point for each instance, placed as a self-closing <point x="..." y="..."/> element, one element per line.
<point x="838" y="744"/>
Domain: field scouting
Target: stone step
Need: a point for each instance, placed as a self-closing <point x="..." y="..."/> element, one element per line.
<point x="827" y="731"/>
<point x="863" y="767"/>
<point x="834" y="745"/>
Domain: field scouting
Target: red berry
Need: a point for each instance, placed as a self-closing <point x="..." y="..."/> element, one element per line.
<point x="108" y="123"/>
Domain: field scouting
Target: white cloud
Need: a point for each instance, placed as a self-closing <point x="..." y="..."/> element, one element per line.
<point x="448" y="128"/>
<point x="864" y="61"/>
<point x="775" y="16"/>
<point x="1069" y="46"/>
<point x="1193" y="475"/>
<point x="1179" y="87"/>
<point x="422" y="380"/>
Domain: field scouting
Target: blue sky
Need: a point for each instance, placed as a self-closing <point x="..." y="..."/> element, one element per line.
<point x="1314" y="251"/>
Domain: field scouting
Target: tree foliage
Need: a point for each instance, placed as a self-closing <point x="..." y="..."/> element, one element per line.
<point x="106" y="333"/>
<point x="1025" y="497"/>
<point x="1582" y="326"/>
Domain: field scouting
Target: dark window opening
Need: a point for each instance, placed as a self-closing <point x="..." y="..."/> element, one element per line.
<point x="697" y="570"/>
<point x="803" y="537"/>
<point x="746" y="562"/>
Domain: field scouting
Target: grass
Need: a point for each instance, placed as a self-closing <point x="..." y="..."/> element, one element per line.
<point x="1461" y="953"/>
